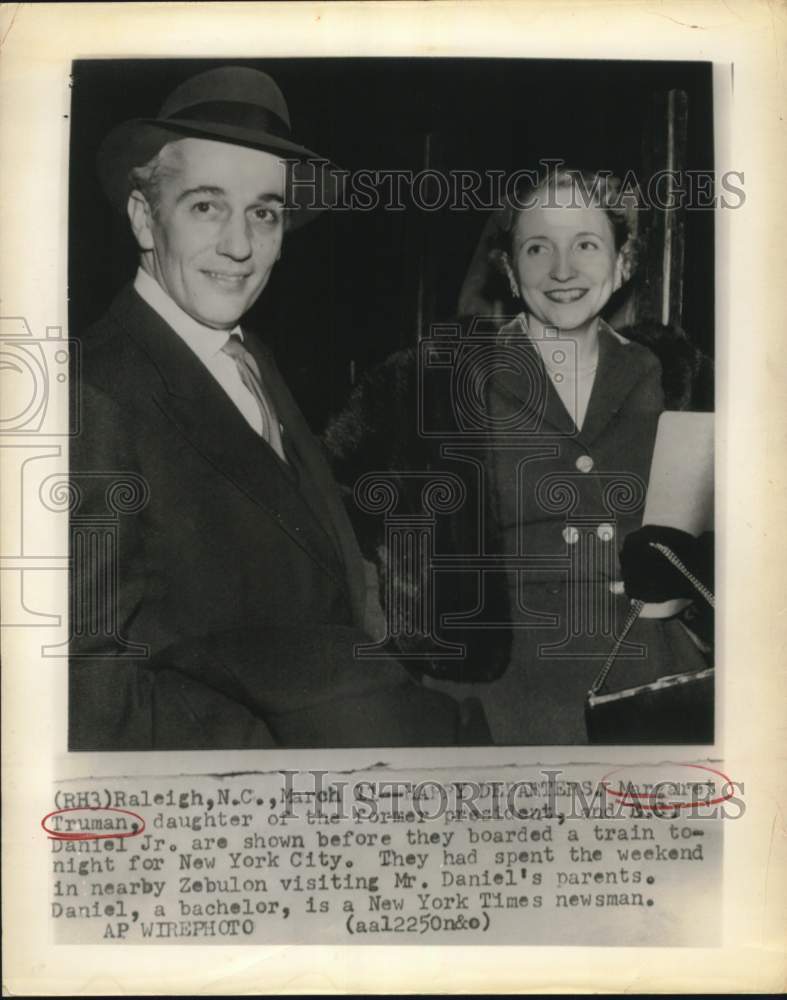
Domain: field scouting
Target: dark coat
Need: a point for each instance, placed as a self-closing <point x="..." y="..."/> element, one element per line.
<point x="402" y="423"/>
<point x="538" y="478"/>
<point x="238" y="584"/>
<point x="549" y="475"/>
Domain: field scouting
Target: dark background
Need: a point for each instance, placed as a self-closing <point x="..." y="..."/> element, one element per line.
<point x="354" y="286"/>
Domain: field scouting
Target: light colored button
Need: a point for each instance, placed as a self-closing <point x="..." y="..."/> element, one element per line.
<point x="605" y="532"/>
<point x="584" y="463"/>
<point x="570" y="535"/>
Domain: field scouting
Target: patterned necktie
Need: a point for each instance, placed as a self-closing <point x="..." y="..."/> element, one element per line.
<point x="249" y="372"/>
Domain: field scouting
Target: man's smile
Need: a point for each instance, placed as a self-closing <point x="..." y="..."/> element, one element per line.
<point x="227" y="278"/>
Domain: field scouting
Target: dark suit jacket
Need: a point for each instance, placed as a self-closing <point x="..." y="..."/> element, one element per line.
<point x="224" y="611"/>
<point x="548" y="475"/>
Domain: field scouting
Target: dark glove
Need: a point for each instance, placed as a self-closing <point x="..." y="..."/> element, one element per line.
<point x="647" y="573"/>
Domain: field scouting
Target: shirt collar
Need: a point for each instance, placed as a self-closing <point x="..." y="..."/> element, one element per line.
<point x="203" y="340"/>
<point x="519" y="325"/>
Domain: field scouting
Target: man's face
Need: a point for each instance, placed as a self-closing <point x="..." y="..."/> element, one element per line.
<point x="565" y="261"/>
<point x="218" y="228"/>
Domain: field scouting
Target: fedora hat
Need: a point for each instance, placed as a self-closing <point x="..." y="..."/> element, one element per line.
<point x="233" y="104"/>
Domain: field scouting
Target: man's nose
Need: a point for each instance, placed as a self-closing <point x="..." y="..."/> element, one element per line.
<point x="563" y="265"/>
<point x="234" y="240"/>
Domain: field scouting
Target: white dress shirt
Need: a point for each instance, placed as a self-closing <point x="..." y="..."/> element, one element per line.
<point x="206" y="343"/>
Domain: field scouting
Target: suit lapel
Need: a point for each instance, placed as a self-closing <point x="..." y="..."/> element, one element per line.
<point x="619" y="370"/>
<point x="191" y="398"/>
<point x="319" y="487"/>
<point x="525" y="383"/>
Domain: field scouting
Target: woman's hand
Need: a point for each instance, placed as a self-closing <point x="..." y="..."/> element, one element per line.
<point x="647" y="573"/>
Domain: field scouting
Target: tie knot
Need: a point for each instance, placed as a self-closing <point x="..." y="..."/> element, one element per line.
<point x="236" y="350"/>
<point x="234" y="347"/>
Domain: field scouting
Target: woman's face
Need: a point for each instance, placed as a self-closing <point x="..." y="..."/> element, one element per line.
<point x="565" y="261"/>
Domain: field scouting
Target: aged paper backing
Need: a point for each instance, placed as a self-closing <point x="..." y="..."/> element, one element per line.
<point x="746" y="42"/>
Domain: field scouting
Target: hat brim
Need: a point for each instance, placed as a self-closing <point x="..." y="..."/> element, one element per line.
<point x="136" y="142"/>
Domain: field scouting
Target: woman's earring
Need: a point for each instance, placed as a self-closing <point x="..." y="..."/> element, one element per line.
<point x="624" y="265"/>
<point x="509" y="273"/>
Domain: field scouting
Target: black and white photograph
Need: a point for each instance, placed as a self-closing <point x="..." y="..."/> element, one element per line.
<point x="389" y="393"/>
<point x="394" y="403"/>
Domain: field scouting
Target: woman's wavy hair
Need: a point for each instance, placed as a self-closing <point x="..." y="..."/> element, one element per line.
<point x="597" y="188"/>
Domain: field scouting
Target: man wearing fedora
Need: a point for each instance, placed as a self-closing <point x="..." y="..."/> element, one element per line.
<point x="240" y="590"/>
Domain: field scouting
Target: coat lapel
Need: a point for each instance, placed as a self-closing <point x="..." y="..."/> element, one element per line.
<point x="189" y="396"/>
<point x="619" y="370"/>
<point x="320" y="490"/>
<point x="524" y="382"/>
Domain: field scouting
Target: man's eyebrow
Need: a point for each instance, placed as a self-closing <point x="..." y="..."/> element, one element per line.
<point x="266" y="197"/>
<point x="202" y="189"/>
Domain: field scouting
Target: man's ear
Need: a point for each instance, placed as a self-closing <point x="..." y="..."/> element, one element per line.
<point x="140" y="215"/>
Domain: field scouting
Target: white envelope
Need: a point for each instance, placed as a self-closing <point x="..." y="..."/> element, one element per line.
<point x="680" y="491"/>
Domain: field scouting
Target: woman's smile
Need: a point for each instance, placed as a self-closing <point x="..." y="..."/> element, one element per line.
<point x="565" y="294"/>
